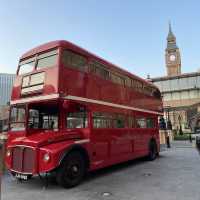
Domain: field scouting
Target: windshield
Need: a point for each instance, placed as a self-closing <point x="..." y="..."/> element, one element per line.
<point x="44" y="60"/>
<point x="43" y="117"/>
<point x="17" y="118"/>
<point x="26" y="66"/>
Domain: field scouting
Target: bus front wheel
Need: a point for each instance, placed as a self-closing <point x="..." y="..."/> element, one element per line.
<point x="72" y="170"/>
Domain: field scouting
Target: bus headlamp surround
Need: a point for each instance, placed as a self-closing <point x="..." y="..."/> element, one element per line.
<point x="46" y="157"/>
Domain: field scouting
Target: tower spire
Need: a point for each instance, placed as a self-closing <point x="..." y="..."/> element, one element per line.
<point x="170" y="27"/>
<point x="170" y="34"/>
<point x="172" y="54"/>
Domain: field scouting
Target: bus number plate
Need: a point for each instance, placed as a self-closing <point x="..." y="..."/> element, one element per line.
<point x="21" y="176"/>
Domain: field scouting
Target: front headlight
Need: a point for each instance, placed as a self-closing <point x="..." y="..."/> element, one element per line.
<point x="8" y="153"/>
<point x="46" y="157"/>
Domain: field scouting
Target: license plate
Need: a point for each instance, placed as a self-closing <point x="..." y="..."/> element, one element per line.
<point x="21" y="176"/>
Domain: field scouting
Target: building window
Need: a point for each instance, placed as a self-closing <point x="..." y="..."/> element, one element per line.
<point x="176" y="96"/>
<point x="185" y="95"/>
<point x="175" y="84"/>
<point x="71" y="59"/>
<point x="183" y="83"/>
<point x="193" y="94"/>
<point x="167" y="97"/>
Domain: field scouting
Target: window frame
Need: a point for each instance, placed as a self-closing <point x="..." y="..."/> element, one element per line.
<point x="31" y="107"/>
<point x="103" y="116"/>
<point x="83" y="68"/>
<point x="18" y="122"/>
<point x="95" y="66"/>
<point x="34" y="58"/>
<point x="86" y="122"/>
<point x="47" y="54"/>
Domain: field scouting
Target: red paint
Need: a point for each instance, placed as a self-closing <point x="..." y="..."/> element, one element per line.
<point x="105" y="146"/>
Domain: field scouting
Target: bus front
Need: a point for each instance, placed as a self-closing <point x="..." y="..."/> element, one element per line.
<point x="34" y="112"/>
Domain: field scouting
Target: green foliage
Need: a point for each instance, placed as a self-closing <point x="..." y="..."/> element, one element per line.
<point x="182" y="137"/>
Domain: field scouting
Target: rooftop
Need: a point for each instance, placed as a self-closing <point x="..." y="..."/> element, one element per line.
<point x="185" y="75"/>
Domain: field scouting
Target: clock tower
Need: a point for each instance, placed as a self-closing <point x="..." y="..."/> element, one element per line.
<point x="172" y="55"/>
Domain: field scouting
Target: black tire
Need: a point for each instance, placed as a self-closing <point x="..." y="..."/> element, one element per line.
<point x="153" y="152"/>
<point x="72" y="170"/>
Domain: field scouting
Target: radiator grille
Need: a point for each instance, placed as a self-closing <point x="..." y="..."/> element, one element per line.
<point x="23" y="159"/>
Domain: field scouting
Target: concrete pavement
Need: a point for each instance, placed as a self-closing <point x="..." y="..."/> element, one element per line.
<point x="174" y="175"/>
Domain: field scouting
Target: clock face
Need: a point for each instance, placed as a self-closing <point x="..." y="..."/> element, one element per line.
<point x="172" y="57"/>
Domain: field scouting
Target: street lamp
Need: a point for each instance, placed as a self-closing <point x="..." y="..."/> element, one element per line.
<point x="169" y="124"/>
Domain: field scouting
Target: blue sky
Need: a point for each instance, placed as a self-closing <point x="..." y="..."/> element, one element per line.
<point x="129" y="33"/>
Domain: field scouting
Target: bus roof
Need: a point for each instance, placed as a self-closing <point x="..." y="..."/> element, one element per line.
<point x="67" y="44"/>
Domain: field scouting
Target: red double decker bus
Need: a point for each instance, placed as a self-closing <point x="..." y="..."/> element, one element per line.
<point x="73" y="112"/>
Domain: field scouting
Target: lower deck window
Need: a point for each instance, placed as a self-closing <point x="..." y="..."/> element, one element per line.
<point x="17" y="118"/>
<point x="77" y="120"/>
<point x="131" y="122"/>
<point x="102" y="120"/>
<point x="141" y="123"/>
<point x="150" y="123"/>
<point x="105" y="120"/>
<point x="43" y="117"/>
<point x="145" y="122"/>
<point x="119" y="122"/>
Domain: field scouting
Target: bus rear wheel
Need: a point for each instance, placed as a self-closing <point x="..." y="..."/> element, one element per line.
<point x="71" y="171"/>
<point x="153" y="152"/>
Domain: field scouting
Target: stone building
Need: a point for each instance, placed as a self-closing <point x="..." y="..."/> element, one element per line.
<point x="181" y="92"/>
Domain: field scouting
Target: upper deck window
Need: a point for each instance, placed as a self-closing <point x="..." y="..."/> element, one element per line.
<point x="72" y="59"/>
<point x="117" y="79"/>
<point x="43" y="60"/>
<point x="48" y="59"/>
<point x="99" y="69"/>
<point x="26" y="66"/>
<point x="119" y="121"/>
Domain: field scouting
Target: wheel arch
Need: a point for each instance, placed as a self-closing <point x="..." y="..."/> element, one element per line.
<point x="77" y="148"/>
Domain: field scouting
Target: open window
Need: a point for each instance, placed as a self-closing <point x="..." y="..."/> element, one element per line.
<point x="77" y="117"/>
<point x="17" y="118"/>
<point x="43" y="116"/>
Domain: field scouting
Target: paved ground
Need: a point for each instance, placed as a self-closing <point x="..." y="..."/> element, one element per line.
<point x="175" y="175"/>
